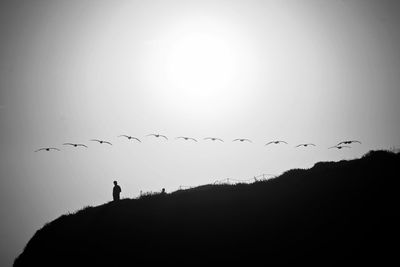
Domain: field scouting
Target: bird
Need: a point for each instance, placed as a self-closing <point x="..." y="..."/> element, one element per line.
<point x="242" y="140"/>
<point x="186" y="138"/>
<point x="158" y="135"/>
<point x="348" y="142"/>
<point x="213" y="139"/>
<point x="306" y="145"/>
<point x="75" y="145"/>
<point x="47" y="149"/>
<point x="130" y="137"/>
<point x="101" y="141"/>
<point x="275" y="142"/>
<point x="339" y="147"/>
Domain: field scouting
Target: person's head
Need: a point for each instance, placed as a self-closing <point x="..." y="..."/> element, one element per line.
<point x="115" y="182"/>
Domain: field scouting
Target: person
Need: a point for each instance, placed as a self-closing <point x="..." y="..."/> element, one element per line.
<point x="163" y="191"/>
<point x="116" y="191"/>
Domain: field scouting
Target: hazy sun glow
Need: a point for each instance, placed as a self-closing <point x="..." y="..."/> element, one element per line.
<point x="201" y="61"/>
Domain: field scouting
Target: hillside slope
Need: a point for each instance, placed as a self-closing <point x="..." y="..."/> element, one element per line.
<point x="335" y="212"/>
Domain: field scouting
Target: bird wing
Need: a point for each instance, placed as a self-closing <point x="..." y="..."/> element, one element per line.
<point x="282" y="142"/>
<point x="333" y="147"/>
<point x="299" y="145"/>
<point x="356" y="141"/>
<point x="164" y="136"/>
<point x="68" y="144"/>
<point x="269" y="143"/>
<point x="37" y="150"/>
<point x="82" y="145"/>
<point x="124" y="135"/>
<point x="341" y="143"/>
<point x="311" y="144"/>
<point x="193" y="139"/>
<point x="107" y="142"/>
<point x="137" y="139"/>
<point x="151" y="135"/>
<point x="97" y="140"/>
<point x="207" y="138"/>
<point x="54" y="148"/>
<point x="248" y="140"/>
<point x="219" y="139"/>
<point x="236" y="139"/>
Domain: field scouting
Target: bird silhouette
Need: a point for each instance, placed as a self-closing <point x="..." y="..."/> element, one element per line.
<point x="186" y="138"/>
<point x="158" y="135"/>
<point x="47" y="149"/>
<point x="74" y="145"/>
<point x="339" y="147"/>
<point x="306" y="145"/>
<point x="101" y="141"/>
<point x="213" y="139"/>
<point x="130" y="137"/>
<point x="275" y="142"/>
<point x="242" y="140"/>
<point x="348" y="142"/>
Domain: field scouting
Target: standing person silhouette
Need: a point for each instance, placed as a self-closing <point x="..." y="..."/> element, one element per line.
<point x="116" y="191"/>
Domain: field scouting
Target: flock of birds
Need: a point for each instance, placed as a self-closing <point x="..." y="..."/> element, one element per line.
<point x="340" y="145"/>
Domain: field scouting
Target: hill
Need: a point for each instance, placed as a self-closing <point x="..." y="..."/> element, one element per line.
<point x="333" y="213"/>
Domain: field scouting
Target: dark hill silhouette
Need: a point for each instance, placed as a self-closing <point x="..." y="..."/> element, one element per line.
<point x="334" y="213"/>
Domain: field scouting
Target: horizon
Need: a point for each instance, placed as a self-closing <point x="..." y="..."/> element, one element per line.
<point x="335" y="210"/>
<point x="302" y="72"/>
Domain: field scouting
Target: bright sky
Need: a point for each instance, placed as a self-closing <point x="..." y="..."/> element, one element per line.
<point x="300" y="71"/>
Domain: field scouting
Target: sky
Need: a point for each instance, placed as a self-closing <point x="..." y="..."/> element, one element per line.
<point x="70" y="71"/>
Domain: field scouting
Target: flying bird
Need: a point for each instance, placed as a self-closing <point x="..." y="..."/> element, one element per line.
<point x="47" y="149"/>
<point x="186" y="138"/>
<point x="348" y="142"/>
<point x="130" y="137"/>
<point x="242" y="140"/>
<point x="306" y="145"/>
<point x="74" y="145"/>
<point x="339" y="147"/>
<point x="101" y="141"/>
<point x="158" y="135"/>
<point x="213" y="139"/>
<point x="275" y="142"/>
